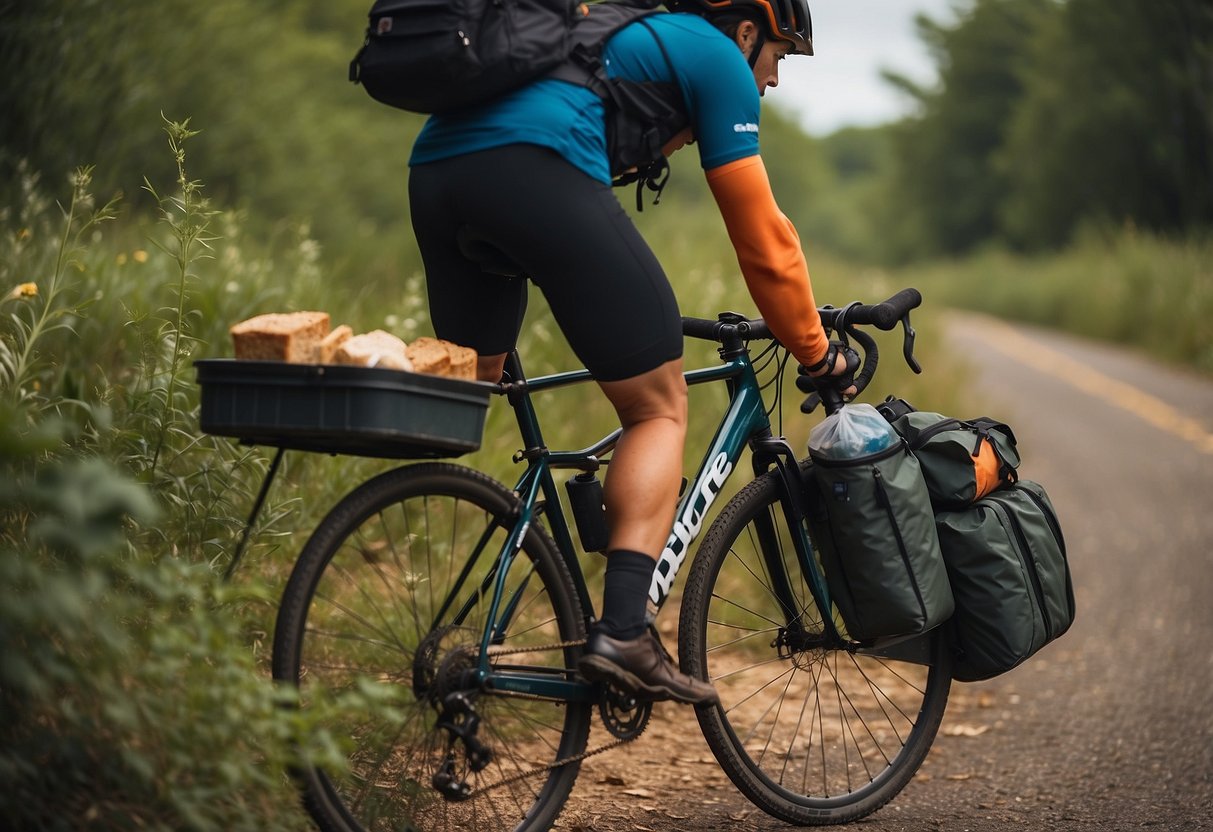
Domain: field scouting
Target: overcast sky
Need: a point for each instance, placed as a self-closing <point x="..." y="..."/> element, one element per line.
<point x="854" y="39"/>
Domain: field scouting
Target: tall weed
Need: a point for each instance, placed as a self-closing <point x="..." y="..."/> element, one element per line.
<point x="40" y="307"/>
<point x="131" y="679"/>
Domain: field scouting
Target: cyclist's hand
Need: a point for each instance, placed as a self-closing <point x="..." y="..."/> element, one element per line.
<point x="837" y="372"/>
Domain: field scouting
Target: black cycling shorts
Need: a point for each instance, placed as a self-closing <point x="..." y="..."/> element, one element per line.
<point x="563" y="230"/>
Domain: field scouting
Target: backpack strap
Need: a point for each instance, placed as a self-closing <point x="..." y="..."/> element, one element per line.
<point x="589" y="37"/>
<point x="641" y="116"/>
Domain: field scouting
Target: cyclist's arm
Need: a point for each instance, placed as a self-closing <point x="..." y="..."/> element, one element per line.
<point x="769" y="253"/>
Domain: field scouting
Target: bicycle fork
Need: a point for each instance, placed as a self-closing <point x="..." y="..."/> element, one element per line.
<point x="793" y="637"/>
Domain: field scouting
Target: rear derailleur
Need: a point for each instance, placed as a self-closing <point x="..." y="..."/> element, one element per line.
<point x="461" y="722"/>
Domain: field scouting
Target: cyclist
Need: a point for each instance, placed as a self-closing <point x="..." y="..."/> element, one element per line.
<point x="527" y="174"/>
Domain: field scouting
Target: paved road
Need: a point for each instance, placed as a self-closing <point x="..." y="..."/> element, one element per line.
<point x="1109" y="728"/>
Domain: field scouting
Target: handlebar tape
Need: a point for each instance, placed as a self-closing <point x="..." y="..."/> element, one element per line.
<point x="884" y="315"/>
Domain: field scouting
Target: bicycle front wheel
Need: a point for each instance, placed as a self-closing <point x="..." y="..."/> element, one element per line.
<point x="380" y="629"/>
<point x="812" y="731"/>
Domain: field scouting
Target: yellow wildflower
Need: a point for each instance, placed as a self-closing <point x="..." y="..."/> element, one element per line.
<point x="139" y="255"/>
<point x="23" y="290"/>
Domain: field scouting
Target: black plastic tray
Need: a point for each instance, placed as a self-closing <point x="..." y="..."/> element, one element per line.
<point x="361" y="411"/>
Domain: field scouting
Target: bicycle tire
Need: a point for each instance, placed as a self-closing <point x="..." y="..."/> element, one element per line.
<point x="358" y="633"/>
<point x="811" y="734"/>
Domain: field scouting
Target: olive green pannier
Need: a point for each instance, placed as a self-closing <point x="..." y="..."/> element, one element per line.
<point x="1006" y="560"/>
<point x="872" y="522"/>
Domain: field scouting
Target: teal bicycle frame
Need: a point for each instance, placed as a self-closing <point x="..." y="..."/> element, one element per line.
<point x="745" y="423"/>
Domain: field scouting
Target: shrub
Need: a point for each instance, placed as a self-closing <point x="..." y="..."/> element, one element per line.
<point x="131" y="680"/>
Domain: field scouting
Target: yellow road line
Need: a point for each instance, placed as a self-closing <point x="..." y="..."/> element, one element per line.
<point x="1154" y="411"/>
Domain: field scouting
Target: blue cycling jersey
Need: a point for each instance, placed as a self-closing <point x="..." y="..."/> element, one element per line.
<point x="717" y="86"/>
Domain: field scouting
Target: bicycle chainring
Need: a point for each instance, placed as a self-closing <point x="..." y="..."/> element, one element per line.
<point x="623" y="715"/>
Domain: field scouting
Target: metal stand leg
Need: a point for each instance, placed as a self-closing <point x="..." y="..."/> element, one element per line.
<point x="252" y="518"/>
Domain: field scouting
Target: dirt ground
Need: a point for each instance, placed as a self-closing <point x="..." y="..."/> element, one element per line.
<point x="668" y="781"/>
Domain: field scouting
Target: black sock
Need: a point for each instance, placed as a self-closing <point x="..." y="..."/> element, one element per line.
<point x="625" y="594"/>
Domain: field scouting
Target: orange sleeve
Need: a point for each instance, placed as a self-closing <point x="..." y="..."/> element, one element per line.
<point x="768" y="251"/>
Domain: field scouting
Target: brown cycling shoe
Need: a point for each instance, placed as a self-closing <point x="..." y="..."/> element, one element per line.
<point x="641" y="667"/>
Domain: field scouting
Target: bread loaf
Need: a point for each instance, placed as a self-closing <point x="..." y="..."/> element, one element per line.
<point x="429" y="355"/>
<point x="373" y="349"/>
<point x="292" y="336"/>
<point x="328" y="347"/>
<point x="304" y="338"/>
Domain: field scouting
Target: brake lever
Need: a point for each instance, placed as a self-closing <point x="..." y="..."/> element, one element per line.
<point x="907" y="344"/>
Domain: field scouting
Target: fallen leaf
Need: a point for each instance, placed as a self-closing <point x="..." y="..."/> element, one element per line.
<point x="960" y="777"/>
<point x="966" y="730"/>
<point x="639" y="792"/>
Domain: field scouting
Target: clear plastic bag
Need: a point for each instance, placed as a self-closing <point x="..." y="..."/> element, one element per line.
<point x="856" y="431"/>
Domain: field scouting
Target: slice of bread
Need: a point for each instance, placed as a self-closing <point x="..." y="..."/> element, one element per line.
<point x="463" y="361"/>
<point x="291" y="336"/>
<point x="429" y="356"/>
<point x="373" y="349"/>
<point x="328" y="347"/>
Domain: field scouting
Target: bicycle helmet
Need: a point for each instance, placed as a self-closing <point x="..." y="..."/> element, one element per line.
<point x="786" y="20"/>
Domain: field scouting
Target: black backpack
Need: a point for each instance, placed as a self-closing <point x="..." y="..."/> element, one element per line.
<point x="435" y="56"/>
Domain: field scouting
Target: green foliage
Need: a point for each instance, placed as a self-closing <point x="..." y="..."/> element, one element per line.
<point x="1116" y="122"/>
<point x="1134" y="289"/>
<point x="36" y="308"/>
<point x="1050" y="117"/>
<point x="945" y="188"/>
<point x="130" y="697"/>
<point x="131" y="680"/>
<point x="845" y="210"/>
<point x="287" y="135"/>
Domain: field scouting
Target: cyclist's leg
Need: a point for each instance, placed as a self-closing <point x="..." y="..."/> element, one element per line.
<point x="642" y="480"/>
<point x="640" y="494"/>
<point x="467" y="305"/>
<point x="564" y="230"/>
<point x="490" y="367"/>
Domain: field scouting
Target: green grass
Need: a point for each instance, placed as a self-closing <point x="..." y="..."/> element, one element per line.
<point x="1133" y="289"/>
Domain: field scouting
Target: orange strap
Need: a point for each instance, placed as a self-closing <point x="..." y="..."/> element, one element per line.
<point x="768" y="251"/>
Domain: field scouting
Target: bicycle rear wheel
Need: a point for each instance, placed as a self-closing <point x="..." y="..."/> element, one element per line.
<point x="811" y="732"/>
<point x="381" y="623"/>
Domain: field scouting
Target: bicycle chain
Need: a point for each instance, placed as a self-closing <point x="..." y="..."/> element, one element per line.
<point x="576" y="758"/>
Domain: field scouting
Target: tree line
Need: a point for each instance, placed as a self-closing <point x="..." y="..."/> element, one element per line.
<point x="1051" y="117"/>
